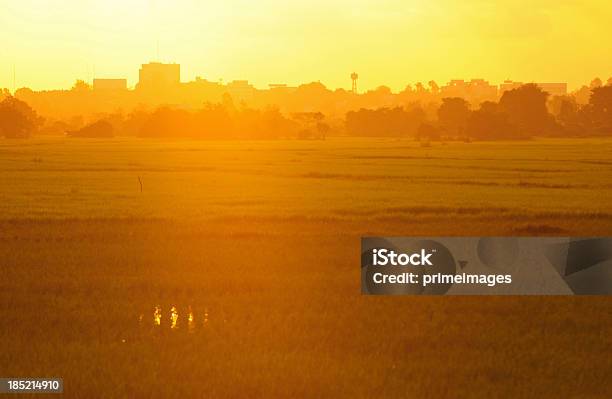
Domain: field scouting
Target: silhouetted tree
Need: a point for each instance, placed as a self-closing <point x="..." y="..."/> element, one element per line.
<point x="595" y="83"/>
<point x="582" y="95"/>
<point x="453" y="115"/>
<point x="428" y="132"/>
<point x="99" y="128"/>
<point x="490" y="122"/>
<point x="408" y="90"/>
<point x="228" y="102"/>
<point x="216" y="121"/>
<point x="275" y="125"/>
<point x="526" y="108"/>
<point x="311" y="124"/>
<point x="4" y="93"/>
<point x="383" y="90"/>
<point x="80" y="86"/>
<point x="17" y="119"/>
<point x="568" y="113"/>
<point x="433" y="87"/>
<point x="600" y="109"/>
<point x="168" y="122"/>
<point x="565" y="110"/>
<point x="395" y="121"/>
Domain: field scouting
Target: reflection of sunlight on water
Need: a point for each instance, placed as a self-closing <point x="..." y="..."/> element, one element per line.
<point x="190" y="322"/>
<point x="176" y="318"/>
<point x="157" y="316"/>
<point x="173" y="318"/>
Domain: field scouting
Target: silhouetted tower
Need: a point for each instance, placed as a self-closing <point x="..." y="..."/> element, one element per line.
<point x="354" y="78"/>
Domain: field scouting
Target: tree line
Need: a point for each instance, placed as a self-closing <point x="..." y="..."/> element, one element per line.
<point x="520" y="113"/>
<point x="212" y="121"/>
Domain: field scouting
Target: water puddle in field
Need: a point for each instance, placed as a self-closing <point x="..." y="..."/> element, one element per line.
<point x="176" y="318"/>
<point x="156" y="316"/>
<point x="173" y="318"/>
<point x="190" y="322"/>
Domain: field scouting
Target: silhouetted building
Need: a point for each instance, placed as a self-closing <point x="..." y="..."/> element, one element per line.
<point x="554" y="89"/>
<point x="109" y="84"/>
<point x="157" y="76"/>
<point x="200" y="89"/>
<point x="509" y="85"/>
<point x="202" y="84"/>
<point x="474" y="91"/>
<point x="281" y="88"/>
<point x="240" y="89"/>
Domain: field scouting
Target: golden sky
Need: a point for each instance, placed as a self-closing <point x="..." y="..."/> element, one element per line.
<point x="391" y="42"/>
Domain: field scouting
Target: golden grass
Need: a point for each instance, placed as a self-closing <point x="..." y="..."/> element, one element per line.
<point x="264" y="238"/>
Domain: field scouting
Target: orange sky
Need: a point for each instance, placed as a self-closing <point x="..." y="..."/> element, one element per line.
<point x="391" y="42"/>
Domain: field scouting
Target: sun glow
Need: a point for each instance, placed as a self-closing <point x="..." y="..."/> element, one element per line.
<point x="273" y="41"/>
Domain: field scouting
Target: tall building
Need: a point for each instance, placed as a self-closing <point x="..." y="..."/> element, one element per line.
<point x="156" y="76"/>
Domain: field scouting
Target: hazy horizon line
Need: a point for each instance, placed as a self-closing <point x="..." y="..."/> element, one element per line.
<point x="131" y="85"/>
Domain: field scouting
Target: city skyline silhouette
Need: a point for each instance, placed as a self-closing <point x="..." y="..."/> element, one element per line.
<point x="388" y="43"/>
<point x="161" y="104"/>
<point x="350" y="84"/>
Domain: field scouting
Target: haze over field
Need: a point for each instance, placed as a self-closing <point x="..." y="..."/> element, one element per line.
<point x="171" y="225"/>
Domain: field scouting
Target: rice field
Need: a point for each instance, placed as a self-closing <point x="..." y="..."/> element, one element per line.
<point x="151" y="268"/>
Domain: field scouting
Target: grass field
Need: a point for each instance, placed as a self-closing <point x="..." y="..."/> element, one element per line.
<point x="259" y="241"/>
